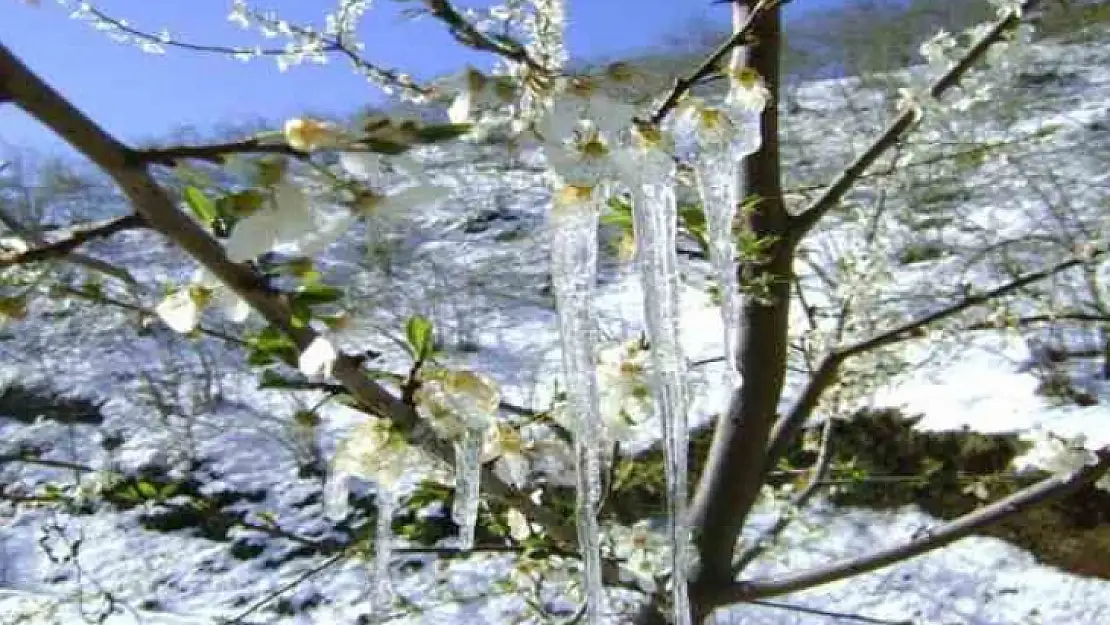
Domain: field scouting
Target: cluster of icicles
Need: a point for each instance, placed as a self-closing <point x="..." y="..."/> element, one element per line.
<point x="462" y="405"/>
<point x="714" y="142"/>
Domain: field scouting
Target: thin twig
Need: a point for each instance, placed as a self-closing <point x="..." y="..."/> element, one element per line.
<point x="711" y="64"/>
<point x="213" y="152"/>
<point x="816" y="482"/>
<point x="847" y="179"/>
<point x="818" y="612"/>
<point x="467" y="34"/>
<point x="238" y="619"/>
<point x="76" y="258"/>
<point x="1042" y="492"/>
<point x="826" y="374"/>
<point x="73" y="238"/>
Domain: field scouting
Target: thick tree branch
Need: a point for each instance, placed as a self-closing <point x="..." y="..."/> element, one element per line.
<point x="1040" y="493"/>
<point x="816" y="482"/>
<point x="734" y="469"/>
<point x="712" y="63"/>
<point x="843" y="183"/>
<point x="71" y="239"/>
<point x="152" y="202"/>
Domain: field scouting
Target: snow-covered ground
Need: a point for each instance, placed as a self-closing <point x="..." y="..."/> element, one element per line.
<point x="477" y="268"/>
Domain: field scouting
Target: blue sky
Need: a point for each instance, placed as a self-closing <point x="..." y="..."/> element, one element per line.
<point x="141" y="96"/>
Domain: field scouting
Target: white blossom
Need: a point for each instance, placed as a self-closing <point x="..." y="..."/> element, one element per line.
<point x="182" y="309"/>
<point x="284" y="219"/>
<point x="318" y="358"/>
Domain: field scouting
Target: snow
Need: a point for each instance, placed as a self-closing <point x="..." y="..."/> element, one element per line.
<point x="246" y="434"/>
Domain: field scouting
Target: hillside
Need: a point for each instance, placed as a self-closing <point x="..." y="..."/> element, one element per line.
<point x="162" y="409"/>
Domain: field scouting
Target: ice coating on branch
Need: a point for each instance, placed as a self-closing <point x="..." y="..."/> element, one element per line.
<point x="716" y="140"/>
<point x="468" y="481"/>
<point x="374" y="451"/>
<point x="573" y="224"/>
<point x="461" y="405"/>
<point x="650" y="172"/>
<point x="382" y="591"/>
<point x="336" y="506"/>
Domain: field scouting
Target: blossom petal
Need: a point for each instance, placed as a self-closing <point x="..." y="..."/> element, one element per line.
<point x="413" y="197"/>
<point x="317" y="242"/>
<point x="318" y="358"/>
<point x="460" y="110"/>
<point x="252" y="237"/>
<point x="362" y="165"/>
<point x="294" y="216"/>
<point x="179" y="311"/>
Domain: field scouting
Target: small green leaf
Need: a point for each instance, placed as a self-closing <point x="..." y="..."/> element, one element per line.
<point x="389" y="148"/>
<point x="147" y="490"/>
<point x="436" y="133"/>
<point x="273" y="379"/>
<point x="381" y="374"/>
<point x="420" y="335"/>
<point x="314" y="294"/>
<point x="201" y="206"/>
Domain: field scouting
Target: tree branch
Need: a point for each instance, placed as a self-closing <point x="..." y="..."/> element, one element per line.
<point x="730" y="481"/>
<point x="73" y="238"/>
<point x="75" y="258"/>
<point x="213" y="152"/>
<point x="847" y="179"/>
<point x="1042" y="492"/>
<point x="789" y="425"/>
<point x="712" y="63"/>
<point x="467" y="34"/>
<point x="817" y="480"/>
<point x="155" y="206"/>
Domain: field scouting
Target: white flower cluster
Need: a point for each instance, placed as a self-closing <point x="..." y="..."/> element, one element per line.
<point x="119" y="31"/>
<point x="1059" y="455"/>
<point x="945" y="49"/>
<point x="288" y="219"/>
<point x="305" y="43"/>
<point x="642" y="553"/>
<point x="373" y="451"/>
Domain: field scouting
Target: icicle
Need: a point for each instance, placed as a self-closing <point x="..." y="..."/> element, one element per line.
<point x="651" y="175"/>
<point x="717" y="185"/>
<point x="468" y="480"/>
<point x="574" y="242"/>
<point x="335" y="497"/>
<point x="381" y="597"/>
<point x="462" y="405"/>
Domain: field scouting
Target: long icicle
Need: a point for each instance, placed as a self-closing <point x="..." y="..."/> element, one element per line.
<point x="655" y="224"/>
<point x="382" y="590"/>
<point x="468" y="479"/>
<point x="718" y="184"/>
<point x="574" y="242"/>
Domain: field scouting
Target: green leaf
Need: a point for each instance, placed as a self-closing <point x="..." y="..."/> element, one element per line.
<point x="382" y="374"/>
<point x="389" y="148"/>
<point x="314" y="294"/>
<point x="240" y="203"/>
<point x="270" y="345"/>
<point x="147" y="490"/>
<point x="273" y="379"/>
<point x="201" y="206"/>
<point x="421" y="337"/>
<point x="692" y="218"/>
<point x="436" y="133"/>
